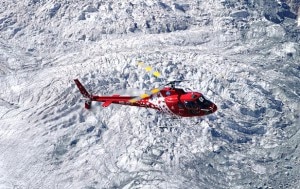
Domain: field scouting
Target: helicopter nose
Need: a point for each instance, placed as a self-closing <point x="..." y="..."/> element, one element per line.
<point x="214" y="108"/>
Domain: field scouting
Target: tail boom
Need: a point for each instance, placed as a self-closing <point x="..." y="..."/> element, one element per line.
<point x="115" y="99"/>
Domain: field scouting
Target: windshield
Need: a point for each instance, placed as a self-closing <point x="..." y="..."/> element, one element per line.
<point x="198" y="104"/>
<point x="191" y="105"/>
<point x="204" y="103"/>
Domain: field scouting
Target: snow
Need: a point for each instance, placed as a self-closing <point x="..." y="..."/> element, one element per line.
<point x="229" y="51"/>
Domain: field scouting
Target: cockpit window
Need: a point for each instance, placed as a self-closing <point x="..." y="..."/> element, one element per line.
<point x="203" y="103"/>
<point x="198" y="104"/>
<point x="191" y="104"/>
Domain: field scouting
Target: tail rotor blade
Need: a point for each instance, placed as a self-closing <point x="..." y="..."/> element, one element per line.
<point x="81" y="88"/>
<point x="85" y="93"/>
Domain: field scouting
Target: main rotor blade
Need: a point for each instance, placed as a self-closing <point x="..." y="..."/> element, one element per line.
<point x="150" y="69"/>
<point x="153" y="91"/>
<point x="146" y="95"/>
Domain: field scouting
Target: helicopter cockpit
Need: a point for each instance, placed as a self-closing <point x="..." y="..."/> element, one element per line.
<point x="198" y="104"/>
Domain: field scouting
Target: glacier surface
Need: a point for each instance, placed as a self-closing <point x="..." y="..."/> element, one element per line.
<point x="243" y="55"/>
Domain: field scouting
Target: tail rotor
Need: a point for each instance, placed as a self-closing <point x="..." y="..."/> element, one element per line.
<point x="87" y="96"/>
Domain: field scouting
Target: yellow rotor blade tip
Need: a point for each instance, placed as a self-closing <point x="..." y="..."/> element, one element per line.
<point x="154" y="91"/>
<point x="148" y="68"/>
<point x="157" y="74"/>
<point x="132" y="100"/>
<point x="140" y="63"/>
<point x="144" y="95"/>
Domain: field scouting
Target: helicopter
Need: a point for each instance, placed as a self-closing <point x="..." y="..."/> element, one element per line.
<point x="167" y="99"/>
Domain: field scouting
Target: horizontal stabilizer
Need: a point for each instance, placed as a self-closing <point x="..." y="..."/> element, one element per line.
<point x="107" y="103"/>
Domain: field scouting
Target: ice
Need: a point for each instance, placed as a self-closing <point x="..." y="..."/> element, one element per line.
<point x="228" y="50"/>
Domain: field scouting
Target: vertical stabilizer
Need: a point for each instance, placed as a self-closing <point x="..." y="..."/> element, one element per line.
<point x="83" y="91"/>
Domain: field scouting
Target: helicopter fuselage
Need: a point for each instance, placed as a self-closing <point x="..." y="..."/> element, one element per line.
<point x="173" y="101"/>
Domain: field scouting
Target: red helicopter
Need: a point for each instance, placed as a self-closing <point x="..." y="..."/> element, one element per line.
<point x="168" y="99"/>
